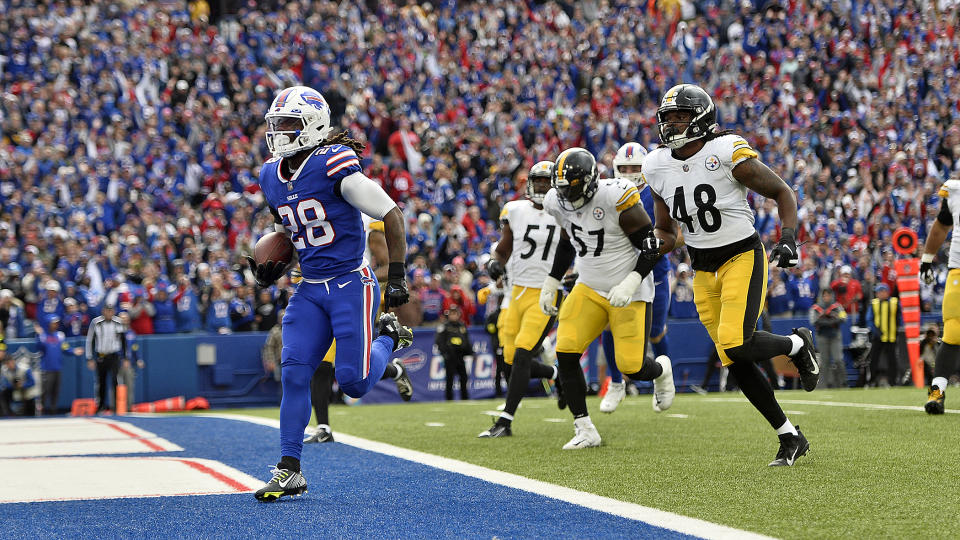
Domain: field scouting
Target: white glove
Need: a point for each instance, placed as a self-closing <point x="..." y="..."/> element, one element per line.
<point x="621" y="294"/>
<point x="548" y="295"/>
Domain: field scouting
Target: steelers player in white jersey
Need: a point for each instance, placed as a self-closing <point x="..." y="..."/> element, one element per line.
<point x="700" y="177"/>
<point x="529" y="239"/>
<point x="948" y="354"/>
<point x="606" y="229"/>
<point x="321" y="384"/>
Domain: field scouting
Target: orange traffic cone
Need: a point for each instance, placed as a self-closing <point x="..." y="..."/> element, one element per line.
<point x="121" y="399"/>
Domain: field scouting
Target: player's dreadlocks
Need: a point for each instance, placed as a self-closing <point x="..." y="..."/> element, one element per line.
<point x="345" y="139"/>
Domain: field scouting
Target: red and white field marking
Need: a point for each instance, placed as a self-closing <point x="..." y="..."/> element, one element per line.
<point x="77" y="437"/>
<point x="90" y="478"/>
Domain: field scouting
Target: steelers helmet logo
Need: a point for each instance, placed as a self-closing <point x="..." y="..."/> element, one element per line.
<point x="712" y="163"/>
<point x="598" y="213"/>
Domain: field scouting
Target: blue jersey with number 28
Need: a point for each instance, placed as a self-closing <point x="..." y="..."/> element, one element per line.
<point x="326" y="230"/>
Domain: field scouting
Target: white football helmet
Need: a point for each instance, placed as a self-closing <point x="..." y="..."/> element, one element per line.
<point x="544" y="170"/>
<point x="629" y="154"/>
<point x="304" y="104"/>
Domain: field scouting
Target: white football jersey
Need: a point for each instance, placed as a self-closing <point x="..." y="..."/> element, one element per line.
<point x="950" y="192"/>
<point x="703" y="196"/>
<point x="370" y="224"/>
<point x="605" y="254"/>
<point x="535" y="238"/>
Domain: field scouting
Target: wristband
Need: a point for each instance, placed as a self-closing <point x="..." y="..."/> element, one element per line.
<point x="927" y="257"/>
<point x="396" y="271"/>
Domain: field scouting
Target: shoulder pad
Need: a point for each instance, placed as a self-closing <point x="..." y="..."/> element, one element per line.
<point x="948" y="187"/>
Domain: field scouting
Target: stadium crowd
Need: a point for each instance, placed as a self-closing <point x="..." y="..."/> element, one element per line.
<point x="133" y="133"/>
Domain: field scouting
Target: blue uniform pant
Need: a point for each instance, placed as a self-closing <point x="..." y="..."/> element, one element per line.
<point x="343" y="308"/>
<point x="658" y="327"/>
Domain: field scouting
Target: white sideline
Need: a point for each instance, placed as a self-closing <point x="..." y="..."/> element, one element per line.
<point x="652" y="516"/>
<point x="876" y="406"/>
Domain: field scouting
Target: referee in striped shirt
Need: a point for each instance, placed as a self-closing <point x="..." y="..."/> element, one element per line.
<point x="106" y="346"/>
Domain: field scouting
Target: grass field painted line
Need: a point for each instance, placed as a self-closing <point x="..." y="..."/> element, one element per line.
<point x="652" y="516"/>
<point x="837" y="404"/>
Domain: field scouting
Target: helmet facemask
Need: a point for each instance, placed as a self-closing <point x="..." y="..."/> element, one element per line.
<point x="675" y="134"/>
<point x="539" y="181"/>
<point x="299" y="119"/>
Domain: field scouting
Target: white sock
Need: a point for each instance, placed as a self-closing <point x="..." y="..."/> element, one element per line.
<point x="787" y="427"/>
<point x="797" y="344"/>
<point x="556" y="373"/>
<point x="583" y="422"/>
<point x="940" y="382"/>
<point x="506" y="416"/>
<point x="323" y="426"/>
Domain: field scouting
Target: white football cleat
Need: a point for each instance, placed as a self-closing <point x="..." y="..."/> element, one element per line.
<point x="615" y="394"/>
<point x="663" y="388"/>
<point x="585" y="435"/>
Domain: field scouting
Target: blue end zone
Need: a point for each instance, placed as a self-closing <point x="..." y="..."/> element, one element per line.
<point x="353" y="493"/>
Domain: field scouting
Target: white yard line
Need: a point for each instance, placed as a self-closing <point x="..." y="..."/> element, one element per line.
<point x="875" y="406"/>
<point x="652" y="516"/>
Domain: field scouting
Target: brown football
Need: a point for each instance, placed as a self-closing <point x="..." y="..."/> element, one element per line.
<point x="275" y="246"/>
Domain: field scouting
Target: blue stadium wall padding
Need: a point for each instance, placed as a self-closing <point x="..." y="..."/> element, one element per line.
<point x="172" y="370"/>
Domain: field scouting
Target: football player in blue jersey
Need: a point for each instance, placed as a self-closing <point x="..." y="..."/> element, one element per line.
<point x="628" y="164"/>
<point x="317" y="192"/>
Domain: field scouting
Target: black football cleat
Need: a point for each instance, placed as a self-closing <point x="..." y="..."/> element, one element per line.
<point x="935" y="399"/>
<point x="284" y="483"/>
<point x="404" y="385"/>
<point x="321" y="435"/>
<point x="807" y="360"/>
<point x="401" y="335"/>
<point x="791" y="447"/>
<point x="495" y="431"/>
<point x="561" y="399"/>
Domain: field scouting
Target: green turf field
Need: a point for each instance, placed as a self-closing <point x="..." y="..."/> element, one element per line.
<point x="870" y="472"/>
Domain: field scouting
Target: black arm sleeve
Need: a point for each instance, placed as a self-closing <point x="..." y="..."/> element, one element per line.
<point x="563" y="258"/>
<point x="945" y="217"/>
<point x="644" y="264"/>
<point x="276" y="215"/>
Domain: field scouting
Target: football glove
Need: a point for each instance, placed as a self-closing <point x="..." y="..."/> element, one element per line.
<point x="650" y="247"/>
<point x="926" y="269"/>
<point x="548" y="295"/>
<point x="570" y="280"/>
<point x="495" y="269"/>
<point x="621" y="293"/>
<point x="266" y="274"/>
<point x="396" y="293"/>
<point x="786" y="252"/>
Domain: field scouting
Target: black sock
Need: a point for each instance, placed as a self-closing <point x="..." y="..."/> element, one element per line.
<point x="519" y="380"/>
<point x="507" y="371"/>
<point x="757" y="388"/>
<point x="321" y="386"/>
<point x="540" y="370"/>
<point x="650" y="370"/>
<point x="390" y="372"/>
<point x="574" y="385"/>
<point x="289" y="463"/>
<point x="760" y="346"/>
<point x="946" y="363"/>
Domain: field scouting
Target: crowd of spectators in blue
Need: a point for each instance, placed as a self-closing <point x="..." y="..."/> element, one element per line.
<point x="132" y="134"/>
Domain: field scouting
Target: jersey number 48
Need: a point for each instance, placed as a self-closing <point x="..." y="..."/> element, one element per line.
<point x="708" y="215"/>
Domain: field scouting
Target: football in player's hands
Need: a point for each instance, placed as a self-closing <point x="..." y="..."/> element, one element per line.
<point x="276" y="247"/>
<point x="495" y="269"/>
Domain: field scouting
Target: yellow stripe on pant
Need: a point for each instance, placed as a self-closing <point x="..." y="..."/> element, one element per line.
<point x="524" y="324"/>
<point x="951" y="308"/>
<point x="729" y="301"/>
<point x="584" y="314"/>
